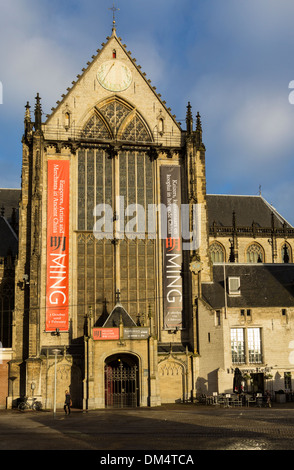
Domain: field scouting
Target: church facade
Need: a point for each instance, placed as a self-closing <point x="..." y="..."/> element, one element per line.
<point x="120" y="282"/>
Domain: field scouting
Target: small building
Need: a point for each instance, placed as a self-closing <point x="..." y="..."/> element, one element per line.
<point x="246" y="319"/>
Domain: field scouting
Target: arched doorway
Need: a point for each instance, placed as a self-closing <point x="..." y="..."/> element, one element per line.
<point x="121" y="381"/>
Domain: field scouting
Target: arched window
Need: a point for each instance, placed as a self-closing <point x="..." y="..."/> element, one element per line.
<point x="255" y="254"/>
<point x="217" y="253"/>
<point x="161" y="126"/>
<point x="286" y="253"/>
<point x="66" y="120"/>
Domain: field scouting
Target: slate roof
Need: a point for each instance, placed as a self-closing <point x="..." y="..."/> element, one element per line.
<point x="9" y="200"/>
<point x="261" y="285"/>
<point x="248" y="209"/>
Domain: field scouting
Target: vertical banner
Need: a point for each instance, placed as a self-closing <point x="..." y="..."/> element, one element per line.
<point x="170" y="184"/>
<point x="57" y="246"/>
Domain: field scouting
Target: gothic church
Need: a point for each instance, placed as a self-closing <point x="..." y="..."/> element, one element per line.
<point x="118" y="306"/>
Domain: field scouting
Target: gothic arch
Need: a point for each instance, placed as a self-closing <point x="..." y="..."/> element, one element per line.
<point x="114" y="118"/>
<point x="97" y="127"/>
<point x="286" y="252"/>
<point x="217" y="252"/>
<point x="255" y="253"/>
<point x="172" y="374"/>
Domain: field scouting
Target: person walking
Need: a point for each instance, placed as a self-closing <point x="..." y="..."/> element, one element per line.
<point x="67" y="403"/>
<point x="268" y="398"/>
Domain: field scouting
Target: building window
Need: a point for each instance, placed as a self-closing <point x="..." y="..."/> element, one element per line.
<point x="217" y="253"/>
<point x="246" y="345"/>
<point x="238" y="345"/>
<point x="67" y="120"/>
<point x="254" y="345"/>
<point x="288" y="381"/>
<point x="255" y="254"/>
<point x="234" y="285"/>
<point x="161" y="126"/>
<point x="286" y="253"/>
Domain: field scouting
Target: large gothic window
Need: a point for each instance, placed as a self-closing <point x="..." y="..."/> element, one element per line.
<point x="96" y="128"/>
<point x="97" y="261"/>
<point x="94" y="184"/>
<point x="136" y="131"/>
<point x="217" y="253"/>
<point x="255" y="254"/>
<point x="116" y="119"/>
<point x="115" y="112"/>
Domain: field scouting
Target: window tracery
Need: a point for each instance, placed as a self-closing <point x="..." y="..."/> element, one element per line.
<point x="217" y="253"/>
<point x="117" y="120"/>
<point x="96" y="128"/>
<point x="255" y="254"/>
<point x="115" y="113"/>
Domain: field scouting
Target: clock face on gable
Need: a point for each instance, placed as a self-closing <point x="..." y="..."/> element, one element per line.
<point x="113" y="75"/>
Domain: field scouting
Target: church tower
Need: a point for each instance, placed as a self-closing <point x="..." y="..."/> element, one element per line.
<point x="113" y="243"/>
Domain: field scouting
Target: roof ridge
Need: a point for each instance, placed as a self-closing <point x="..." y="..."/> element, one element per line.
<point x="273" y="209"/>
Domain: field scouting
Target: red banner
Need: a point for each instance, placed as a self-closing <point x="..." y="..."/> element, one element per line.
<point x="100" y="334"/>
<point x="57" y="246"/>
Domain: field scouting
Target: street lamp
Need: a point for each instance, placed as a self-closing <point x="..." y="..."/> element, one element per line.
<point x="55" y="352"/>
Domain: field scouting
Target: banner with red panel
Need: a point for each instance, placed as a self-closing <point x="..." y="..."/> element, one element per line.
<point x="57" y="281"/>
<point x="100" y="334"/>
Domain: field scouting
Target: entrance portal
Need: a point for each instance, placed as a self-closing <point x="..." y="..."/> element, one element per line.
<point x="121" y="381"/>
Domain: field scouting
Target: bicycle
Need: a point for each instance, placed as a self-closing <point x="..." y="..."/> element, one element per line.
<point x="34" y="405"/>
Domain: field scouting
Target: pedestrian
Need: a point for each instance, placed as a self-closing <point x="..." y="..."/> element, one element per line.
<point x="67" y="403"/>
<point x="268" y="398"/>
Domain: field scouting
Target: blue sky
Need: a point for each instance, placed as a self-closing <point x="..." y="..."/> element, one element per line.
<point x="232" y="59"/>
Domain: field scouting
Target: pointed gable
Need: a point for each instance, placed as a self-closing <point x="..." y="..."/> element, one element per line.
<point x="113" y="75"/>
<point x="118" y="315"/>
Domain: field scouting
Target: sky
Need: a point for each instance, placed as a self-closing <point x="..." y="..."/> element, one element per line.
<point x="233" y="60"/>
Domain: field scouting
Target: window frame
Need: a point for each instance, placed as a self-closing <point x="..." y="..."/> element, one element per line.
<point x="247" y="344"/>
